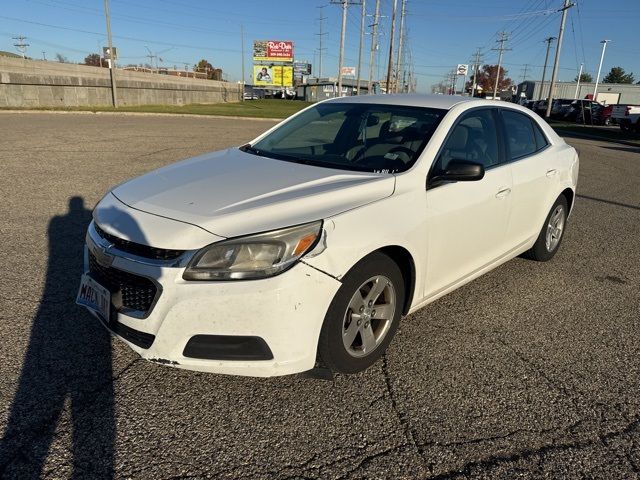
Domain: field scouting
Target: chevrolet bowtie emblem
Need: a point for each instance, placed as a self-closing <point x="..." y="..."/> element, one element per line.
<point x="103" y="257"/>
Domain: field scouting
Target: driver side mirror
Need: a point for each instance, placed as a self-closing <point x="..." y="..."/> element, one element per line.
<point x="458" y="171"/>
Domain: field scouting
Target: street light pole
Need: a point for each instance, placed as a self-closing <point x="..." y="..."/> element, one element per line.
<point x="604" y="47"/>
<point x="578" y="84"/>
<point x="112" y="71"/>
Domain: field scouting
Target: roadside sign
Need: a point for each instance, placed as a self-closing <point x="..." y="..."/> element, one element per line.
<point x="462" y="69"/>
<point x="107" y="54"/>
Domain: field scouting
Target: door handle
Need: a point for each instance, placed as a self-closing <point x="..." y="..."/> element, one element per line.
<point x="552" y="172"/>
<point x="503" y="192"/>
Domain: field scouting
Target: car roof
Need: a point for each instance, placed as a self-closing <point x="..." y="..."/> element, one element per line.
<point x="445" y="102"/>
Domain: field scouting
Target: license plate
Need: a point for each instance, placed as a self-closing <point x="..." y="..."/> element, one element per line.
<point x="94" y="296"/>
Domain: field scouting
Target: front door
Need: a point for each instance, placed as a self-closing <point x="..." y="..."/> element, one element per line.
<point x="467" y="221"/>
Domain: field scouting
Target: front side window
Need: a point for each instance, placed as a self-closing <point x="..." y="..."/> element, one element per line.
<point x="474" y="139"/>
<point x="519" y="134"/>
<point x="353" y="136"/>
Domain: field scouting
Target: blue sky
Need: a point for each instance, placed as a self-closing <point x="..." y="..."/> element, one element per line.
<point x="440" y="33"/>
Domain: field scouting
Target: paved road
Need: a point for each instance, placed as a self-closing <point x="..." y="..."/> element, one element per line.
<point x="532" y="370"/>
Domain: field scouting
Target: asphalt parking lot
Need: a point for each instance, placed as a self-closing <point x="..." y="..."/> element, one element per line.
<point x="530" y="371"/>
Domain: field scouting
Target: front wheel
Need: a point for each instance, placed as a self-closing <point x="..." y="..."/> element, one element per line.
<point x="548" y="242"/>
<point x="363" y="316"/>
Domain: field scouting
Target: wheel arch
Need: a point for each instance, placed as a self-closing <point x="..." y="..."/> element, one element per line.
<point x="569" y="194"/>
<point x="403" y="258"/>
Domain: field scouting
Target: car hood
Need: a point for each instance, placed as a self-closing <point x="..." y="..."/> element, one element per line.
<point x="231" y="193"/>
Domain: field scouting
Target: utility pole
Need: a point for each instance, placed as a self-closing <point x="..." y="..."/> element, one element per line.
<point x="524" y="74"/>
<point x="112" y="61"/>
<point x="320" y="35"/>
<point x="393" y="31"/>
<point x="374" y="46"/>
<point x="578" y="84"/>
<point x="151" y="58"/>
<point x="502" y="40"/>
<point x="476" y="67"/>
<point x="556" y="61"/>
<point x="400" y="42"/>
<point x="44" y="55"/>
<point x="604" y="47"/>
<point x="544" y="69"/>
<point x="242" y="48"/>
<point x="20" y="45"/>
<point x="363" y="14"/>
<point x="344" y="4"/>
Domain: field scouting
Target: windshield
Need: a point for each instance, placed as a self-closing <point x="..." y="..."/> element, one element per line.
<point x="353" y="136"/>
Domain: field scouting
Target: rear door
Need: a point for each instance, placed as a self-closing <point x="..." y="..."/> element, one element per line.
<point x="467" y="221"/>
<point x="535" y="175"/>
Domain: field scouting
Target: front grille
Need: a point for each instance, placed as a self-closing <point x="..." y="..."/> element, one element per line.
<point x="137" y="248"/>
<point x="127" y="289"/>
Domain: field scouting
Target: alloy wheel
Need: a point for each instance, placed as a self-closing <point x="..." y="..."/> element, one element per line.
<point x="368" y="316"/>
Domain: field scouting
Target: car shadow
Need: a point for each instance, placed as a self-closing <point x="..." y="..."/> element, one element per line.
<point x="610" y="202"/>
<point x="68" y="359"/>
<point x="624" y="149"/>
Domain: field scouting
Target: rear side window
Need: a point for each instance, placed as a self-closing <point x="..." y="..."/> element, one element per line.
<point x="519" y="133"/>
<point x="541" y="140"/>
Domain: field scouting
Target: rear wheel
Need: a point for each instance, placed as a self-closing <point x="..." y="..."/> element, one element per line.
<point x="550" y="237"/>
<point x="363" y="316"/>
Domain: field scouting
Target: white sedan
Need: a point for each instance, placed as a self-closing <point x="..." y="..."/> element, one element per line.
<point x="309" y="244"/>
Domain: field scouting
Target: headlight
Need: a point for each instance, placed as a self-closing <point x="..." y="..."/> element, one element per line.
<point x="255" y="256"/>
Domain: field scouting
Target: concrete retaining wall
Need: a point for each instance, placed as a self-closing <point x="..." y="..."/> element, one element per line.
<point x="33" y="83"/>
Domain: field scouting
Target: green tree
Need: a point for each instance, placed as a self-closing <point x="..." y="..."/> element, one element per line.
<point x="584" y="78"/>
<point x="61" y="58"/>
<point x="205" y="67"/>
<point x="618" y="75"/>
<point x="94" y="60"/>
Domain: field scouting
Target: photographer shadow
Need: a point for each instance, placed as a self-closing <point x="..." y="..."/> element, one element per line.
<point x="68" y="359"/>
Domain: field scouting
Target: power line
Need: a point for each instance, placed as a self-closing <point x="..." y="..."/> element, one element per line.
<point x="21" y="45"/>
<point x="122" y="37"/>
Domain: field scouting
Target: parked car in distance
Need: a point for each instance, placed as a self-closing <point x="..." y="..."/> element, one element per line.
<point x="627" y="116"/>
<point x="540" y="107"/>
<point x="310" y="243"/>
<point x="584" y="111"/>
<point x="560" y="107"/>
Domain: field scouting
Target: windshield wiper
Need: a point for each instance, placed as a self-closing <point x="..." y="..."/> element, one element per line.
<point x="249" y="149"/>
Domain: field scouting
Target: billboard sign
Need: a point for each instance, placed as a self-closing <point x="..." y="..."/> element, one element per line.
<point x="272" y="76"/>
<point x="462" y="69"/>
<point x="348" y="71"/>
<point x="273" y="51"/>
<point x="302" y="68"/>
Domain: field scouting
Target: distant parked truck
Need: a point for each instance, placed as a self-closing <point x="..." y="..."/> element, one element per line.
<point x="627" y="116"/>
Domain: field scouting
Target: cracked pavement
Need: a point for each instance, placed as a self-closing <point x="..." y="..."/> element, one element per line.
<point x="532" y="370"/>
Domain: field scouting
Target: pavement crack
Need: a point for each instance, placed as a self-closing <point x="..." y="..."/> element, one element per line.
<point x="527" y="453"/>
<point x="409" y="432"/>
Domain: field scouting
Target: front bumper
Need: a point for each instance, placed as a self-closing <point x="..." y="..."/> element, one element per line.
<point x="285" y="311"/>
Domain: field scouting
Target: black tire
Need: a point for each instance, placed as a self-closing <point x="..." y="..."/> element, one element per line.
<point x="331" y="349"/>
<point x="540" y="252"/>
